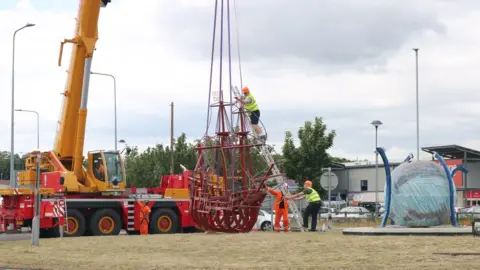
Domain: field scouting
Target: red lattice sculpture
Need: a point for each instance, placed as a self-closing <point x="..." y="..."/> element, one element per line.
<point x="225" y="192"/>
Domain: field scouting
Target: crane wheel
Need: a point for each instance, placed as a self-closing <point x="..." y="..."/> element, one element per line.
<point x="105" y="222"/>
<point x="76" y="224"/>
<point x="164" y="220"/>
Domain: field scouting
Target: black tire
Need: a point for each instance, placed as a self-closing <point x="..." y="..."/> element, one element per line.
<point x="266" y="226"/>
<point x="79" y="223"/>
<point x="108" y="215"/>
<point x="163" y="220"/>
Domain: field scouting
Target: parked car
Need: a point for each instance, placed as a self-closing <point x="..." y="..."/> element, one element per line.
<point x="324" y="212"/>
<point x="264" y="221"/>
<point x="473" y="211"/>
<point x="353" y="212"/>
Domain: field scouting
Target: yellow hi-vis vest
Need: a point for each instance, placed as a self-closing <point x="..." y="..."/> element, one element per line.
<point x="252" y="105"/>
<point x="312" y="197"/>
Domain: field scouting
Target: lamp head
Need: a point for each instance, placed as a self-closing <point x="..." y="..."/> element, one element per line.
<point x="30" y="25"/>
<point x="376" y="123"/>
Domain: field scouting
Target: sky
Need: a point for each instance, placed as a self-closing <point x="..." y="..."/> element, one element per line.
<point x="349" y="62"/>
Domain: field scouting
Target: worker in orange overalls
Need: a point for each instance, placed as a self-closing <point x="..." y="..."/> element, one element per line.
<point x="281" y="209"/>
<point x="144" y="217"/>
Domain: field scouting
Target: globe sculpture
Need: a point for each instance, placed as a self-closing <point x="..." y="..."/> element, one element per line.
<point x="419" y="193"/>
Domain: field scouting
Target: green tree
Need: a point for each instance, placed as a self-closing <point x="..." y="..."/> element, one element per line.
<point x="307" y="160"/>
<point x="19" y="164"/>
<point x="147" y="168"/>
<point x="339" y="160"/>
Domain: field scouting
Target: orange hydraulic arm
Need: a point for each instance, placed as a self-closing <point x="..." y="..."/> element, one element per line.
<point x="105" y="171"/>
<point x="69" y="141"/>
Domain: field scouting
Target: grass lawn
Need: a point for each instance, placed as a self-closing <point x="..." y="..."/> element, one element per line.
<point x="256" y="250"/>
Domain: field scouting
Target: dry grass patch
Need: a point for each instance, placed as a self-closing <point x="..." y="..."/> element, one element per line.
<point x="330" y="250"/>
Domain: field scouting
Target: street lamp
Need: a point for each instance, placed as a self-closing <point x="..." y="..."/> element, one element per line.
<point x="38" y="125"/>
<point x="114" y="99"/>
<point x="418" y="117"/>
<point x="376" y="124"/>
<point x="36" y="218"/>
<point x="12" y="149"/>
<point x="126" y="146"/>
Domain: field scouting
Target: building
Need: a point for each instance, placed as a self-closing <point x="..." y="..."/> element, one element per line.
<point x="361" y="181"/>
<point x="357" y="180"/>
<point x="467" y="185"/>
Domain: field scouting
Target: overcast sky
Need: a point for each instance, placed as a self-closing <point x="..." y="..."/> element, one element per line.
<point x="349" y="62"/>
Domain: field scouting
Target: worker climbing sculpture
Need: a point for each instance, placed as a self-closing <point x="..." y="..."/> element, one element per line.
<point x="225" y="190"/>
<point x="251" y="106"/>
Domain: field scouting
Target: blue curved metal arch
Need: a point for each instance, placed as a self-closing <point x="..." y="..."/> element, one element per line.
<point x="388" y="188"/>
<point x="451" y="188"/>
<point x="459" y="168"/>
<point x="409" y="158"/>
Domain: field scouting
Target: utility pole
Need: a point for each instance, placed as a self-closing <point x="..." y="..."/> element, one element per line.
<point x="418" y="117"/>
<point x="171" y="139"/>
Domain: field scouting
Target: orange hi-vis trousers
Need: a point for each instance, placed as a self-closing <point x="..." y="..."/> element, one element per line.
<point x="144" y="218"/>
<point x="144" y="227"/>
<point x="281" y="213"/>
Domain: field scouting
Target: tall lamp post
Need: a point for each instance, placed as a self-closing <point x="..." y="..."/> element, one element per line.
<point x="171" y="139"/>
<point x="122" y="141"/>
<point x="418" y="117"/>
<point x="376" y="124"/>
<point x="114" y="100"/>
<point x="12" y="148"/>
<point x="36" y="205"/>
<point x="38" y="124"/>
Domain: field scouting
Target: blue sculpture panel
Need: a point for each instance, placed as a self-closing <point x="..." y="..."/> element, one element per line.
<point x="420" y="195"/>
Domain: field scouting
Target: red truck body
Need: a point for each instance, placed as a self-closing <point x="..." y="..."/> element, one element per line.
<point x="64" y="214"/>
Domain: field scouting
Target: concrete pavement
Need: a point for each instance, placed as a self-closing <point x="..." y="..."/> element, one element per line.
<point x="26" y="235"/>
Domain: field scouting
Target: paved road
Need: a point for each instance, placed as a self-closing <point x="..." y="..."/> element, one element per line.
<point x="3" y="268"/>
<point x="26" y="235"/>
<point x="14" y="236"/>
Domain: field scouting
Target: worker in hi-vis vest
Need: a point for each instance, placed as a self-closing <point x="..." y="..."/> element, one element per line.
<point x="314" y="204"/>
<point x="252" y="109"/>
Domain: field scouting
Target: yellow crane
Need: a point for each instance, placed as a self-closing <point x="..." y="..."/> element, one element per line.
<point x="62" y="168"/>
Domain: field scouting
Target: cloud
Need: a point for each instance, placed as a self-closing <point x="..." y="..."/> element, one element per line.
<point x="335" y="35"/>
<point x="345" y="62"/>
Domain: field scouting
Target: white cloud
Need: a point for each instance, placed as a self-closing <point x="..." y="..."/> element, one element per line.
<point x="151" y="72"/>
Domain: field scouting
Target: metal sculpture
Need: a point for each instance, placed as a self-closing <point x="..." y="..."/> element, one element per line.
<point x="225" y="192"/>
<point x="428" y="170"/>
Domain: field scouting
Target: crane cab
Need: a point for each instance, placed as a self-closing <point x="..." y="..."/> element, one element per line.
<point x="107" y="170"/>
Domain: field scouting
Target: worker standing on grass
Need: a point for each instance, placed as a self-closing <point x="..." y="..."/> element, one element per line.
<point x="144" y="217"/>
<point x="281" y="209"/>
<point x="314" y="204"/>
<point x="252" y="109"/>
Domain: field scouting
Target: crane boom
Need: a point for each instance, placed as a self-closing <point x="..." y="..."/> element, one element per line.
<point x="64" y="164"/>
<point x="73" y="115"/>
